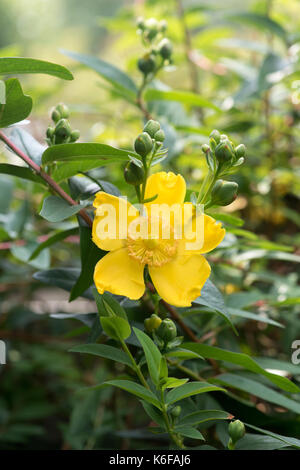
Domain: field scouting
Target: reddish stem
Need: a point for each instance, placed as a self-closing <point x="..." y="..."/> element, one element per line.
<point x="37" y="169"/>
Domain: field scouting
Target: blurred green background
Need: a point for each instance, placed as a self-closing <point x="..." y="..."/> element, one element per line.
<point x="250" y="69"/>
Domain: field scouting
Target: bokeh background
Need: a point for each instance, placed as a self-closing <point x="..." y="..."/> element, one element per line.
<point x="251" y="71"/>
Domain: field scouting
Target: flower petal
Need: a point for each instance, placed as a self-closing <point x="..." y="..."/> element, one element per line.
<point x="180" y="281"/>
<point x="201" y="233"/>
<point x="170" y="188"/>
<point x="213" y="234"/>
<point x="120" y="274"/>
<point x="113" y="215"/>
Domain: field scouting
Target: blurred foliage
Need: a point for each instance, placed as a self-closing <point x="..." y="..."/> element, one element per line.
<point x="242" y="61"/>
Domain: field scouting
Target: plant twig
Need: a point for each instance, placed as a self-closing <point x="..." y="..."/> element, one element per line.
<point x="47" y="178"/>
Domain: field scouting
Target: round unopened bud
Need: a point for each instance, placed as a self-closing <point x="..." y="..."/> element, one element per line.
<point x="55" y="116"/>
<point x="240" y="150"/>
<point x="163" y="25"/>
<point x="143" y="144"/>
<point x="63" y="110"/>
<point x="133" y="174"/>
<point x="152" y="323"/>
<point x="224" y="192"/>
<point x="236" y="430"/>
<point x="215" y="135"/>
<point x="175" y="412"/>
<point x="151" y="27"/>
<point x="223" y="151"/>
<point x="50" y="132"/>
<point x="167" y="330"/>
<point x="140" y="23"/>
<point x="62" y="131"/>
<point x="165" y="48"/>
<point x="151" y="127"/>
<point x="146" y="64"/>
<point x="159" y="136"/>
<point x="205" y="148"/>
<point x="74" y="135"/>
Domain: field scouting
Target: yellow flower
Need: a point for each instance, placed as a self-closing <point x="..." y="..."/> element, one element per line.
<point x="178" y="273"/>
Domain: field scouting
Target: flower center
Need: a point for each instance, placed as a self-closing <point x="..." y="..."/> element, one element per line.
<point x="151" y="241"/>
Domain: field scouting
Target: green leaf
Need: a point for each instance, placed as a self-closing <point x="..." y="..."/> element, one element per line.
<point x="259" y="390"/>
<point x="154" y="414"/>
<point x="18" y="106"/>
<point x="56" y="209"/>
<point x="64" y="278"/>
<point x="116" y="327"/>
<point x="23" y="253"/>
<point x="109" y="72"/>
<point x="259" y="442"/>
<point x="2" y="92"/>
<point x="90" y="255"/>
<point x="183" y="354"/>
<point x="103" y="350"/>
<point x="189" y="389"/>
<point x="20" y="172"/>
<point x="28" y="144"/>
<point x="190" y="432"/>
<point x="290" y="441"/>
<point x="275" y="364"/>
<point x="173" y="382"/>
<point x="108" y="306"/>
<point x="17" y="65"/>
<point x="259" y="21"/>
<point x="135" y="389"/>
<point x="242" y="360"/>
<point x="202" y="416"/>
<point x="89" y="151"/>
<point x="72" y="159"/>
<point x="185" y="97"/>
<point x="253" y="316"/>
<point x="54" y="239"/>
<point x="227" y="219"/>
<point x="211" y="297"/>
<point x="152" y="353"/>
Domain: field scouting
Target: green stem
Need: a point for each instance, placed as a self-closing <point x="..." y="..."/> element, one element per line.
<point x="134" y="364"/>
<point x="177" y="441"/>
<point x="186" y="370"/>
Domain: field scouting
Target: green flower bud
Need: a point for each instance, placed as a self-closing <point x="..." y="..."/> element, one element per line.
<point x="152" y="323"/>
<point x="146" y="64"/>
<point x="163" y="25"/>
<point x="175" y="412"/>
<point x="74" y="135"/>
<point x="55" y="116"/>
<point x="143" y="144"/>
<point x="240" y="150"/>
<point x="151" y="127"/>
<point x="165" y="48"/>
<point x="159" y="136"/>
<point x="63" y="110"/>
<point x="62" y="131"/>
<point x="140" y="23"/>
<point x="205" y="148"/>
<point x="50" y="132"/>
<point x="215" y="135"/>
<point x="236" y="430"/>
<point x="133" y="174"/>
<point x="167" y="330"/>
<point x="223" y="151"/>
<point x="151" y="27"/>
<point x="224" y="192"/>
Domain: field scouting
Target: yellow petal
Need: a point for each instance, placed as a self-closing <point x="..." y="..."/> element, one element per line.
<point x="180" y="281"/>
<point x="170" y="188"/>
<point x="201" y="233"/>
<point x="120" y="274"/>
<point x="112" y="217"/>
<point x="213" y="234"/>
